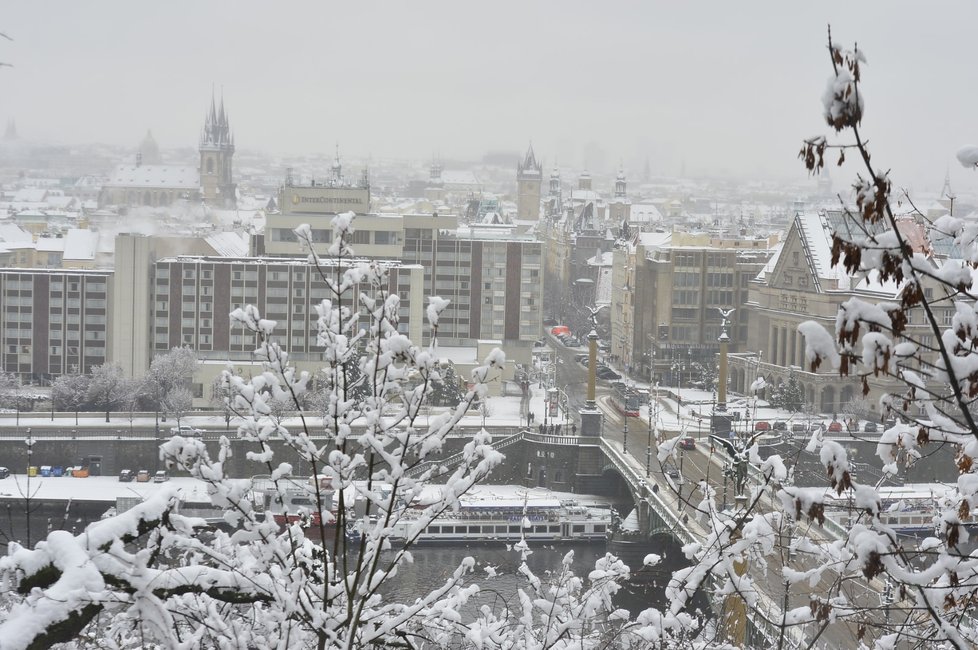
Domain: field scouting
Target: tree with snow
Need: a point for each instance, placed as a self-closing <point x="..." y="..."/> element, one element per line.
<point x="178" y="402"/>
<point x="447" y="389"/>
<point x="932" y="584"/>
<point x="70" y="393"/>
<point x="108" y="387"/>
<point x="168" y="372"/>
<point x="789" y="395"/>
<point x="9" y="390"/>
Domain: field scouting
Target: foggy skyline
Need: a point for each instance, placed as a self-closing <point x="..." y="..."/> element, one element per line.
<point x="724" y="89"/>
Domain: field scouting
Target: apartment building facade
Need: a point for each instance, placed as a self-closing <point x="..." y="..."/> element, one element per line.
<point x="668" y="289"/>
<point x="194" y="296"/>
<point x="53" y="322"/>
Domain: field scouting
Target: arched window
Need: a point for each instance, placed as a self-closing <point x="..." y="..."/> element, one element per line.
<point x="210" y="165"/>
<point x="147" y="198"/>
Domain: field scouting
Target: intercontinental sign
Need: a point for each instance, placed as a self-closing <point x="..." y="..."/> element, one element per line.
<point x="327" y="199"/>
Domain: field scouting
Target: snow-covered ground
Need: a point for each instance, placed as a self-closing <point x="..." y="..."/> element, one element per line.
<point x="96" y="488"/>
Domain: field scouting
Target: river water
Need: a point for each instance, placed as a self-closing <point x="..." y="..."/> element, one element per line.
<point x="432" y="564"/>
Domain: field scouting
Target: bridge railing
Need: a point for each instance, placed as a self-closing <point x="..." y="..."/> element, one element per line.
<point x="831" y="527"/>
<point x="450" y="462"/>
<point x="643" y="488"/>
<point x="573" y="441"/>
<point x="766" y="617"/>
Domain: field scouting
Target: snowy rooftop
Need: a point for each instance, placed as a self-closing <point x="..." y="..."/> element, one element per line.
<point x="31" y="195"/>
<point x="50" y="245"/>
<point x="654" y="239"/>
<point x="80" y="244"/>
<point x="644" y="213"/>
<point x="459" y="177"/>
<point x="11" y="232"/>
<point x="585" y="195"/>
<point x="228" y="244"/>
<point x="459" y="354"/>
<point x="166" y="176"/>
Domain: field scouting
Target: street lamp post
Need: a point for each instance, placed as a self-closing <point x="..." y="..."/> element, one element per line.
<point x="726" y="475"/>
<point x="648" y="450"/>
<point x="624" y="441"/>
<point x="27" y="492"/>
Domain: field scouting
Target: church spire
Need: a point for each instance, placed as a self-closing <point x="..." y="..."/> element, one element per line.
<point x="946" y="192"/>
<point x="620" y="183"/>
<point x="336" y="171"/>
<point x="529" y="166"/>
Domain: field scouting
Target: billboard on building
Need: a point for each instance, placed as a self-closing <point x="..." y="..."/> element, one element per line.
<point x="325" y="200"/>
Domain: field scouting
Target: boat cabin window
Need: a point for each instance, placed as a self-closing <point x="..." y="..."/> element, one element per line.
<point x="434" y="529"/>
<point x="301" y="501"/>
<point x="475" y="529"/>
<point x="578" y="528"/>
<point x="555" y="529"/>
<point x="539" y="529"/>
<point x="599" y="528"/>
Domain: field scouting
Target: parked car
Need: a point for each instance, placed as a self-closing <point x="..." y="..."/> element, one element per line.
<point x="560" y="329"/>
<point x="126" y="476"/>
<point x="675" y="475"/>
<point x="780" y="425"/>
<point x="549" y="322"/>
<point x="185" y="430"/>
<point x="871" y="427"/>
<point x="835" y="427"/>
<point x="581" y="358"/>
<point x="604" y="346"/>
<point x="799" y="427"/>
<point x="762" y="426"/>
<point x="572" y="342"/>
<point x="142" y="476"/>
<point x="539" y="343"/>
<point x="688" y="443"/>
<point x="161" y="477"/>
<point x="4" y="472"/>
<point x="607" y="373"/>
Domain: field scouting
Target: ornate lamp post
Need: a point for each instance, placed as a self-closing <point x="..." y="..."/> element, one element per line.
<point x="27" y="493"/>
<point x="648" y="450"/>
<point x="624" y="441"/>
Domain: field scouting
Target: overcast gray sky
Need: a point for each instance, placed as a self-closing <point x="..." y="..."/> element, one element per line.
<point x="726" y="87"/>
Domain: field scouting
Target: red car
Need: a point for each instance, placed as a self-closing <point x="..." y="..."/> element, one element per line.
<point x="687" y="443"/>
<point x="835" y="427"/>
<point x="762" y="426"/>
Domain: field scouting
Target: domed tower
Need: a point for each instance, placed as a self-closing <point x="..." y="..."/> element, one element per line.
<point x="620" y="206"/>
<point x="584" y="180"/>
<point x="216" y="152"/>
<point x="620" y="184"/>
<point x="149" y="151"/>
<point x="529" y="178"/>
<point x="554" y="202"/>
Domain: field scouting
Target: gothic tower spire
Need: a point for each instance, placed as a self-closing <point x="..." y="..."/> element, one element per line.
<point x="529" y="178"/>
<point x="216" y="153"/>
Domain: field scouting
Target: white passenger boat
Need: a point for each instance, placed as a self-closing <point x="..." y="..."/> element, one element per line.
<point x="510" y="513"/>
<point x="908" y="509"/>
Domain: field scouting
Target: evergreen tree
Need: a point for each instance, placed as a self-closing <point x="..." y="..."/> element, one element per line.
<point x="447" y="391"/>
<point x="789" y="396"/>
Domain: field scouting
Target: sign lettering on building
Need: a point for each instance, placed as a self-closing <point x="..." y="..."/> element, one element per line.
<point x="325" y="200"/>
